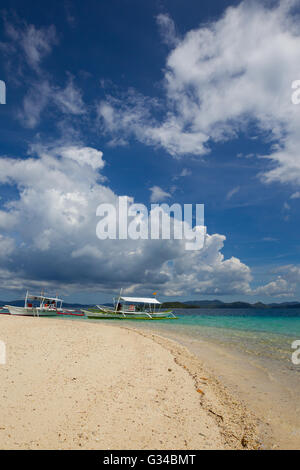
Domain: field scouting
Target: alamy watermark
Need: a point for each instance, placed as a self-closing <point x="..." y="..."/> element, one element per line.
<point x="127" y="220"/>
<point x="295" y="96"/>
<point x="296" y="354"/>
<point x="2" y="353"/>
<point x="2" y="92"/>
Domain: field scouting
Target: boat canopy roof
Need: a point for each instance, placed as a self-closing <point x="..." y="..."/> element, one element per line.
<point x="42" y="297"/>
<point x="140" y="300"/>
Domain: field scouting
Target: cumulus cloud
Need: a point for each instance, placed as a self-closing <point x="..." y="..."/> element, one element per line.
<point x="219" y="79"/>
<point x="49" y="235"/>
<point x="207" y="272"/>
<point x="284" y="285"/>
<point x="278" y="288"/>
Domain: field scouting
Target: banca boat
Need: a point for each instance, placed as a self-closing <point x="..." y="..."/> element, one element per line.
<point x="37" y="306"/>
<point x="131" y="308"/>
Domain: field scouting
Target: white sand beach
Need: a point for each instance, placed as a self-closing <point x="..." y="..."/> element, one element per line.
<point x="77" y="385"/>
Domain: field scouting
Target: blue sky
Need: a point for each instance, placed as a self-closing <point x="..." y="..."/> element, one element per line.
<point x="112" y="98"/>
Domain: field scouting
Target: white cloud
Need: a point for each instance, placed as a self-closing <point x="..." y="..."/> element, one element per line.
<point x="30" y="45"/>
<point x="35" y="43"/>
<point x="69" y="99"/>
<point x="42" y="95"/>
<point x="6" y="246"/>
<point x="59" y="189"/>
<point x="278" y="288"/>
<point x="71" y="19"/>
<point x="34" y="103"/>
<point x="219" y="78"/>
<point x="167" y="28"/>
<point x="84" y="156"/>
<point x="286" y="283"/>
<point x="158" y="194"/>
<point x="286" y="209"/>
<point x="232" y="192"/>
<point x="207" y="272"/>
<point x="132" y="117"/>
<point x="185" y="172"/>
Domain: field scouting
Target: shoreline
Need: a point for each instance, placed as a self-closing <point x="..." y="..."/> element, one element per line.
<point x="71" y="385"/>
<point x="240" y="427"/>
<point x="267" y="392"/>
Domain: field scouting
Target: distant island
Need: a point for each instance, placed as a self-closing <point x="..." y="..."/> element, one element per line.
<point x="219" y="304"/>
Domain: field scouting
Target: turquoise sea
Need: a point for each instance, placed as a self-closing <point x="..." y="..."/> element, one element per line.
<point x="259" y="332"/>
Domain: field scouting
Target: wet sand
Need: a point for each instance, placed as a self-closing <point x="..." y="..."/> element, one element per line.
<point x="76" y="385"/>
<point x="270" y="389"/>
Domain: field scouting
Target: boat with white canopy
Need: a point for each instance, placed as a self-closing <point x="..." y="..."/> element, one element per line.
<point x="131" y="308"/>
<point x="37" y="305"/>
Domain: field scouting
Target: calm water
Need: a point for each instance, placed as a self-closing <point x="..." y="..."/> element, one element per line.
<point x="261" y="333"/>
<point x="257" y="332"/>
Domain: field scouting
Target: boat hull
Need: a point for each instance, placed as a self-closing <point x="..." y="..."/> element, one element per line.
<point x="70" y="313"/>
<point x="31" y="312"/>
<point x="101" y="315"/>
<point x="4" y="311"/>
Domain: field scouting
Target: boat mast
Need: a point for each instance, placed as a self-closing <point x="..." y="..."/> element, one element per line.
<point x="154" y="293"/>
<point x="118" y="300"/>
<point x="42" y="299"/>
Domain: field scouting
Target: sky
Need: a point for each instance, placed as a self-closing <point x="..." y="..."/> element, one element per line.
<point x="167" y="101"/>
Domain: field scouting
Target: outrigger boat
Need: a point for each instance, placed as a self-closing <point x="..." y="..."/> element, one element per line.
<point x="130" y="308"/>
<point x="37" y="305"/>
